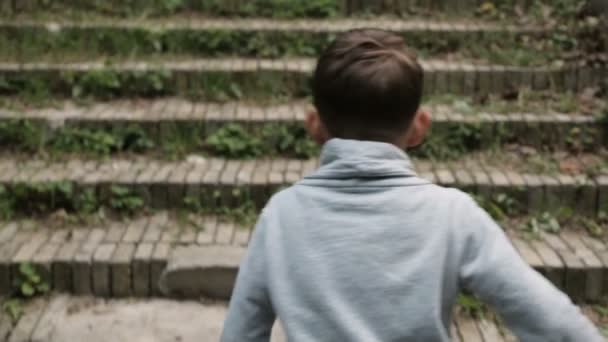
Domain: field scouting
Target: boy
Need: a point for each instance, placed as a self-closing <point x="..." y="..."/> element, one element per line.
<point x="363" y="249"/>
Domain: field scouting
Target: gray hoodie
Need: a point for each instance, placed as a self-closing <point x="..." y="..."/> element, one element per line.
<point x="364" y="250"/>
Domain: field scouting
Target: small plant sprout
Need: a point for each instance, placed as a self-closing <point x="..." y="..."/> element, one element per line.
<point x="123" y="200"/>
<point x="27" y="284"/>
<point x="543" y="223"/>
<point x="471" y="306"/>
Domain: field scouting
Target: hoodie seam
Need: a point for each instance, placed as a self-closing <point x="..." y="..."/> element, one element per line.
<point x="363" y="186"/>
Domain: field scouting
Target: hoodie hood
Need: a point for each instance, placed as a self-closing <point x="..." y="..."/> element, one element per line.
<point x="357" y="161"/>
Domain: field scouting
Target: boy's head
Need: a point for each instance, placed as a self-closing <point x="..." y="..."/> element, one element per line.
<point x="368" y="86"/>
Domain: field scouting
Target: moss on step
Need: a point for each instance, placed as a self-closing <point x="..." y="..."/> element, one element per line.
<point x="66" y="199"/>
<point x="235" y="79"/>
<point x="68" y="203"/>
<point x="72" y="43"/>
<point x="495" y="9"/>
<point x="110" y="83"/>
<point x="139" y="8"/>
<point x="172" y="141"/>
<point x="590" y="102"/>
<point x="176" y="139"/>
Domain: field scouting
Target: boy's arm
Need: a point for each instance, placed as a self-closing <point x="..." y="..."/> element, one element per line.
<point x="532" y="307"/>
<point x="250" y="315"/>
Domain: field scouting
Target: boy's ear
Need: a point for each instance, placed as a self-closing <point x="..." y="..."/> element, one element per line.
<point x="315" y="127"/>
<point x="419" y="128"/>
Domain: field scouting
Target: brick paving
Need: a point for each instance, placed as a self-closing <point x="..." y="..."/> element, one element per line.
<point x="163" y="184"/>
<point x="63" y="318"/>
<point x="440" y="76"/>
<point x="177" y="109"/>
<point x="292" y="25"/>
<point x="533" y="129"/>
<point x="343" y="8"/>
<point x="106" y="260"/>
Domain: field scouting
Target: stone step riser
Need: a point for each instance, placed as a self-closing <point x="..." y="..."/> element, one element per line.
<point x="271" y="80"/>
<point x="558" y="132"/>
<point x="564" y="133"/>
<point x="26" y="42"/>
<point x="164" y="120"/>
<point x="99" y="320"/>
<point x="241" y="183"/>
<point x="122" y="261"/>
<point x="239" y="7"/>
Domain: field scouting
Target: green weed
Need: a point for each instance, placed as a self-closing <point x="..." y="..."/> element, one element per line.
<point x="21" y="135"/>
<point x="452" y="142"/>
<point x="546" y="222"/>
<point x="76" y="140"/>
<point x="471" y="306"/>
<point x="39" y="198"/>
<point x="245" y="214"/>
<point x="180" y="140"/>
<point x="229" y="141"/>
<point x="596" y="227"/>
<point x="6" y="204"/>
<point x="289" y="140"/>
<point x="32" y="89"/>
<point x="33" y="199"/>
<point x="109" y="84"/>
<point x="499" y="206"/>
<point x="581" y="139"/>
<point x="76" y="44"/>
<point x="233" y="141"/>
<point x="14" y="309"/>
<point x="87" y="202"/>
<point x="27" y="284"/>
<point x="245" y="211"/>
<point x="123" y="200"/>
<point x="523" y="101"/>
<point x="193" y="204"/>
<point x="101" y="142"/>
<point x="171" y="6"/>
<point x="274" y="8"/>
<point x="538" y="10"/>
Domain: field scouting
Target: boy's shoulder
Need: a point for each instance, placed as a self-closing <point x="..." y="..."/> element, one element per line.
<point x="431" y="191"/>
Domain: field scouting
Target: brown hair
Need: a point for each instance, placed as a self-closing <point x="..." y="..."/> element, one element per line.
<point x="367" y="86"/>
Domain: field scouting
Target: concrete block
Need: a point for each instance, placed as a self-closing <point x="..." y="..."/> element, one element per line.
<point x="121" y="269"/>
<point x="141" y="269"/>
<point x="63" y="267"/>
<point x="24" y="328"/>
<point x="101" y="269"/>
<point x="193" y="272"/>
<point x="160" y="256"/>
<point x="575" y="284"/>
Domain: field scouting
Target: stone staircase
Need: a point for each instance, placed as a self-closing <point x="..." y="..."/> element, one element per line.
<point x="145" y="135"/>
<point x="63" y="318"/>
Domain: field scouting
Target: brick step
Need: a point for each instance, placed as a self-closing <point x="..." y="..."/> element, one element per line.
<point x="62" y="41"/>
<point x="244" y="8"/>
<point x="577" y="182"/>
<point x="458" y="26"/>
<point x="62" y="318"/>
<point x="264" y="79"/>
<point x="200" y="255"/>
<point x="163" y="120"/>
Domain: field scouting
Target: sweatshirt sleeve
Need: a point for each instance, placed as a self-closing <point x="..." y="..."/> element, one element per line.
<point x="251" y="315"/>
<point x="531" y="306"/>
